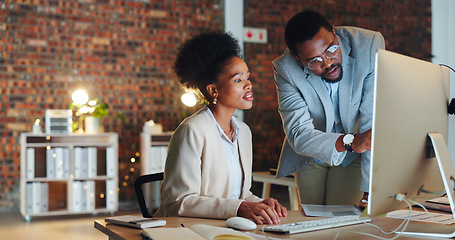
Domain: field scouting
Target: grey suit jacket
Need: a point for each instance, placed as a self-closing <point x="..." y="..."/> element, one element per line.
<point x="306" y="109"/>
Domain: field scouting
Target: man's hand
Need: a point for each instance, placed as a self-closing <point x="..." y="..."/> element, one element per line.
<point x="363" y="203"/>
<point x="268" y="209"/>
<point x="362" y="142"/>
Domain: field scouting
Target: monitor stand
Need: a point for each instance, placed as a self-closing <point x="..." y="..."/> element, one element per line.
<point x="447" y="173"/>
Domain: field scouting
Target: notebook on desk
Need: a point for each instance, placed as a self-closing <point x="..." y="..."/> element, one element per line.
<point x="195" y="232"/>
<point x="135" y="221"/>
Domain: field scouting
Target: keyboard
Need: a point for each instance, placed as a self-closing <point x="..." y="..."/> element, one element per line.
<point x="312" y="225"/>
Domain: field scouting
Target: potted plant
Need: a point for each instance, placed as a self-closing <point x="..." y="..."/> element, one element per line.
<point x="91" y="113"/>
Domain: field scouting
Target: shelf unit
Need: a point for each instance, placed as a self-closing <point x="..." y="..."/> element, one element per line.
<point x="153" y="157"/>
<point x="57" y="180"/>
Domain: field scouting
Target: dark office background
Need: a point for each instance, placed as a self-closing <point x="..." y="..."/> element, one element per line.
<point x="122" y="52"/>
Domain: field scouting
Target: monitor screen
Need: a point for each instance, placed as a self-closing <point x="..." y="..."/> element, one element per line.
<point x="410" y="100"/>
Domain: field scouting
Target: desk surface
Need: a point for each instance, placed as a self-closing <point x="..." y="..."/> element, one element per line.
<point x="119" y="232"/>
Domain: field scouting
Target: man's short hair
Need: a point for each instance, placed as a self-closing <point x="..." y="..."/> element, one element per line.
<point x="304" y="26"/>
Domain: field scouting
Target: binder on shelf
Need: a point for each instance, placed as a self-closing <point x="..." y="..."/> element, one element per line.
<point x="77" y="162"/>
<point x="66" y="163"/>
<point x="84" y="196"/>
<point x="91" y="197"/>
<point x="50" y="163"/>
<point x="37" y="197"/>
<point x="84" y="162"/>
<point x="110" y="194"/>
<point x="76" y="200"/>
<point x="30" y="203"/>
<point x="87" y="196"/>
<point x="44" y="195"/>
<point x="111" y="166"/>
<point x="30" y="163"/>
<point x="91" y="161"/>
<point x="59" y="158"/>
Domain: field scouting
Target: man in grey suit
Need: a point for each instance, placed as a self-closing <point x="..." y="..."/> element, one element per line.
<point x="324" y="83"/>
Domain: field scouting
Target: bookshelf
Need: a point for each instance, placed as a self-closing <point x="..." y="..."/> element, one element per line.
<point x="153" y="157"/>
<point x="68" y="174"/>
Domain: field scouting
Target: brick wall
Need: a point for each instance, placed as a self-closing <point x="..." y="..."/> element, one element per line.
<point x="121" y="51"/>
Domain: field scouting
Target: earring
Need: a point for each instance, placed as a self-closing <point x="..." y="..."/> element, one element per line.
<point x="215" y="101"/>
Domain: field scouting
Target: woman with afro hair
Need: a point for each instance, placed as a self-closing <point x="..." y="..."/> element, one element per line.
<point x="209" y="162"/>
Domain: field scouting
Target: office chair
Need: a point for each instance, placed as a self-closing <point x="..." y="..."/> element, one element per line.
<point x="140" y="194"/>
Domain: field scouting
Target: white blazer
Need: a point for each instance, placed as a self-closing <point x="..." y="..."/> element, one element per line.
<point x="196" y="175"/>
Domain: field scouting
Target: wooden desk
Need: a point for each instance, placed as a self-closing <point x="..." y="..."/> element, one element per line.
<point x="116" y="232"/>
<point x="267" y="179"/>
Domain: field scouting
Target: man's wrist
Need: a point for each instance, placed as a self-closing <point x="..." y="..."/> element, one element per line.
<point x="348" y="140"/>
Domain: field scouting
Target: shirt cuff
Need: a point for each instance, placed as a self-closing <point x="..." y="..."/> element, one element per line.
<point x="337" y="157"/>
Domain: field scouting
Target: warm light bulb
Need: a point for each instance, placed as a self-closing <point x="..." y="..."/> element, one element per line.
<point x="80" y="97"/>
<point x="188" y="99"/>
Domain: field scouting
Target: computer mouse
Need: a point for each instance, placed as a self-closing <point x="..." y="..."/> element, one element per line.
<point x="240" y="223"/>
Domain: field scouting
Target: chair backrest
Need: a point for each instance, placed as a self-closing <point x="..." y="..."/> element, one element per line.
<point x="140" y="194"/>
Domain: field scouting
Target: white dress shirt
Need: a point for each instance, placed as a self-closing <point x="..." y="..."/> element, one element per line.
<point x="231" y="151"/>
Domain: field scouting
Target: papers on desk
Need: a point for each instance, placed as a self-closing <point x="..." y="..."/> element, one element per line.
<point x="170" y="233"/>
<point x="195" y="232"/>
<point x="440" y="203"/>
<point x="420" y="216"/>
<point x="313" y="210"/>
<point x="440" y="200"/>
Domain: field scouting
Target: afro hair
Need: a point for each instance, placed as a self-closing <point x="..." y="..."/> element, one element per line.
<point x="201" y="59"/>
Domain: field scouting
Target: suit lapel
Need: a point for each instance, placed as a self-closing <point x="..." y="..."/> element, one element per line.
<point x="345" y="88"/>
<point x="316" y="82"/>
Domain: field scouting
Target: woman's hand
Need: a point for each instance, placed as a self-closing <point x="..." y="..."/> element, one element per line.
<point x="270" y="210"/>
<point x="279" y="209"/>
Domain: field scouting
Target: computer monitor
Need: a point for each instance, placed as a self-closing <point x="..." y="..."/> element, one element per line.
<point x="410" y="101"/>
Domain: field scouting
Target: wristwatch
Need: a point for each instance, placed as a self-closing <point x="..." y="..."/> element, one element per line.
<point x="347" y="140"/>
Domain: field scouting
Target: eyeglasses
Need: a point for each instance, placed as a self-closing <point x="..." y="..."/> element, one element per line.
<point x="316" y="63"/>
